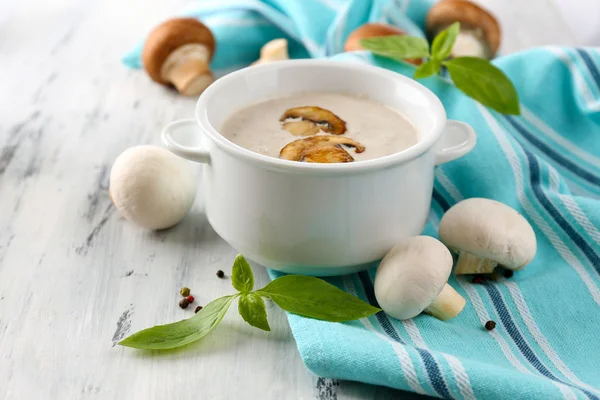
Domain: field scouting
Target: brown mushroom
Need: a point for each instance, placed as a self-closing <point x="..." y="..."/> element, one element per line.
<point x="178" y="52"/>
<point x="373" y="30"/>
<point x="320" y="149"/>
<point x="479" y="31"/>
<point x="316" y="117"/>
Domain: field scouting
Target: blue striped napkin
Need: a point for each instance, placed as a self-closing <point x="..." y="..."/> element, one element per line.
<point x="544" y="163"/>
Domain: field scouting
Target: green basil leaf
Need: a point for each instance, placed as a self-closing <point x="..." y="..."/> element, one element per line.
<point x="315" y="298"/>
<point x="242" y="277"/>
<point x="443" y="42"/>
<point x="428" y="68"/>
<point x="163" y="337"/>
<point x="481" y="80"/>
<point x="398" y="47"/>
<point x="252" y="308"/>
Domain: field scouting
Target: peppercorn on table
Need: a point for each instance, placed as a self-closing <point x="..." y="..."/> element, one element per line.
<point x="75" y="278"/>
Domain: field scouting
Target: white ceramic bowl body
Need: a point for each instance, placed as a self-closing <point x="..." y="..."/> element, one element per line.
<point x="316" y="219"/>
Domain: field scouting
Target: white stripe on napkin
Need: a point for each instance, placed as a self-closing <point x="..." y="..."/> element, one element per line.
<point x="580" y="217"/>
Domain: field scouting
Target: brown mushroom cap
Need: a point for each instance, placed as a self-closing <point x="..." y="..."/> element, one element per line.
<point x="373" y="30"/>
<point x="170" y="35"/>
<point x="470" y="16"/>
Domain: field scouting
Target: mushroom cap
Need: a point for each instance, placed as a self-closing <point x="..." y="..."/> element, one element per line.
<point x="470" y="16"/>
<point x="152" y="187"/>
<point x="170" y="35"/>
<point x="411" y="276"/>
<point x="490" y="230"/>
<point x="367" y="31"/>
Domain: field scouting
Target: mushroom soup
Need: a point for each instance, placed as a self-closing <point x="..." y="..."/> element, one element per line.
<point x="321" y="127"/>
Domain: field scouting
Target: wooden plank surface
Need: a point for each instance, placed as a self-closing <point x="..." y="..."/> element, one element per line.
<point x="75" y="277"/>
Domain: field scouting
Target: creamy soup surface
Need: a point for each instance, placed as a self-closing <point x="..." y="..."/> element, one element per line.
<point x="379" y="128"/>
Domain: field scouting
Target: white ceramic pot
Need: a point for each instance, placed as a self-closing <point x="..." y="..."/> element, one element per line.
<point x="316" y="219"/>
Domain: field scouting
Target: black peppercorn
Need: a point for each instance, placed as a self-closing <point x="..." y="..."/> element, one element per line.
<point x="220" y="273"/>
<point x="490" y="325"/>
<point x="508" y="273"/>
<point x="184" y="303"/>
<point x="197" y="309"/>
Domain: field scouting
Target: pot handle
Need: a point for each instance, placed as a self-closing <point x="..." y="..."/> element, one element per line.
<point x="457" y="140"/>
<point x="189" y="128"/>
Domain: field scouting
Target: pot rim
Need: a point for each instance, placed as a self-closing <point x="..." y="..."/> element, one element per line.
<point x="412" y="152"/>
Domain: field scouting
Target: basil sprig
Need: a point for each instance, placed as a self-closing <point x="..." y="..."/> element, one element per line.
<point x="476" y="77"/>
<point x="302" y="295"/>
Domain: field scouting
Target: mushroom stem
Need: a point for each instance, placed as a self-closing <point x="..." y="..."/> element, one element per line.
<point x="275" y="50"/>
<point x="188" y="70"/>
<point x="469" y="263"/>
<point x="470" y="42"/>
<point x="447" y="305"/>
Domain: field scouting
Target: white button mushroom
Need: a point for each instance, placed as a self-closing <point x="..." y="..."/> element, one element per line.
<point x="413" y="277"/>
<point x="152" y="187"/>
<point x="275" y="50"/>
<point x="486" y="233"/>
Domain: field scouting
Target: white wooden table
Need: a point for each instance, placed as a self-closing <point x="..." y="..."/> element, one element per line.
<point x="74" y="276"/>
